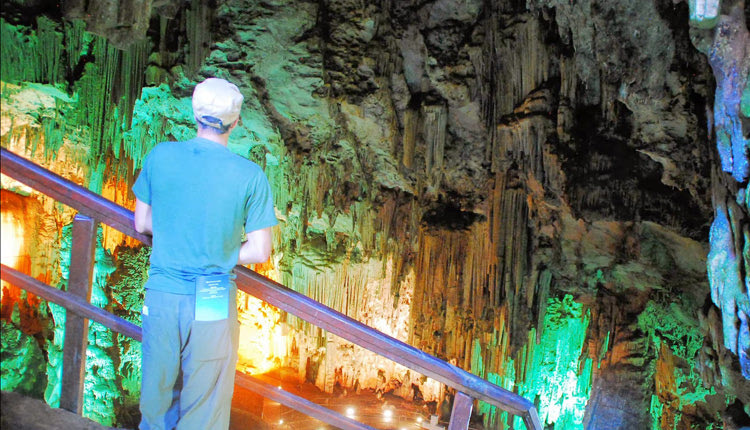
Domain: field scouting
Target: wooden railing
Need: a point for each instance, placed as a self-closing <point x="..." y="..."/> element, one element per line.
<point x="93" y="208"/>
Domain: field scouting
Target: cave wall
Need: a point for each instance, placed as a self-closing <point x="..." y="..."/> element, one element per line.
<point x="524" y="189"/>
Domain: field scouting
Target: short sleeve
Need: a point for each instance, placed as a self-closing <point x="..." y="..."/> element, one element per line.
<point x="142" y="185"/>
<point x="259" y="205"/>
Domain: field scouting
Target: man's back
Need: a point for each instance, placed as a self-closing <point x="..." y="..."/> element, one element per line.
<point x="195" y="197"/>
<point x="202" y="195"/>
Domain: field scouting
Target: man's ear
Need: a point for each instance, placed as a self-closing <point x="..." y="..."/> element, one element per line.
<point x="234" y="124"/>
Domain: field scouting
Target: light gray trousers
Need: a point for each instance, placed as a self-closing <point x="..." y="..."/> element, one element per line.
<point x="188" y="366"/>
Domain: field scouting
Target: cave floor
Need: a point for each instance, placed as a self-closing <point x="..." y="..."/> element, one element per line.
<point x="250" y="410"/>
<point x="19" y="412"/>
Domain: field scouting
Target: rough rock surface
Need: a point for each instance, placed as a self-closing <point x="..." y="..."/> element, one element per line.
<point x="26" y="413"/>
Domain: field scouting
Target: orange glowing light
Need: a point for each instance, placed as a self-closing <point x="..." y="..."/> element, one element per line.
<point x="11" y="241"/>
<point x="118" y="192"/>
<point x="264" y="340"/>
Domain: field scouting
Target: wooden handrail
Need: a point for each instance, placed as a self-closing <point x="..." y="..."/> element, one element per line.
<point x="70" y="302"/>
<point x="352" y="330"/>
<point x="107" y="212"/>
<point x="81" y="307"/>
<point x="70" y="194"/>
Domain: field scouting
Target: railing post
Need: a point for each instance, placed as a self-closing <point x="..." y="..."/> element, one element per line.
<point x="531" y="419"/>
<point x="461" y="413"/>
<point x="76" y="327"/>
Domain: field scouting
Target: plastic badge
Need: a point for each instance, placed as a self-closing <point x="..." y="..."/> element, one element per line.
<point x="212" y="298"/>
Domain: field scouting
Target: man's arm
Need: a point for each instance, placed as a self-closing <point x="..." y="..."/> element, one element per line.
<point x="257" y="247"/>
<point x="142" y="217"/>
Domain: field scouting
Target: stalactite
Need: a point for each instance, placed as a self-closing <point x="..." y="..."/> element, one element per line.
<point x="386" y="63"/>
<point x="568" y="81"/>
<point x="524" y="142"/>
<point x="510" y="67"/>
<point x="34" y="56"/>
<point x="409" y="137"/>
<point x="157" y="116"/>
<point x="50" y="50"/>
<point x="96" y="96"/>
<point x="434" y="123"/>
<point x="76" y="41"/>
<point x="133" y="65"/>
<point x="197" y="26"/>
<point x="104" y="95"/>
<point x="17" y="68"/>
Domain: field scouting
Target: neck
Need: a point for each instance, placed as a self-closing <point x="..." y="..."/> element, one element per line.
<point x="221" y="139"/>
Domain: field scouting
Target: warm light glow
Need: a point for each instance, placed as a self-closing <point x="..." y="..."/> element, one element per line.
<point x="388" y="414"/>
<point x="262" y="341"/>
<point x="419" y="419"/>
<point x="350" y="411"/>
<point x="269" y="269"/>
<point x="281" y="421"/>
<point x="117" y="191"/>
<point x="11" y="241"/>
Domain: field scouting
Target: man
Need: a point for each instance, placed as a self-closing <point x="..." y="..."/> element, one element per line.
<point x="208" y="210"/>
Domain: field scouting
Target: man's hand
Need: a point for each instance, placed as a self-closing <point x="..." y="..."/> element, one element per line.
<point x="257" y="247"/>
<point x="143" y="217"/>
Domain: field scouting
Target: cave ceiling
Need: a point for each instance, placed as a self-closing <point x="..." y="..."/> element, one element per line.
<point x="623" y="74"/>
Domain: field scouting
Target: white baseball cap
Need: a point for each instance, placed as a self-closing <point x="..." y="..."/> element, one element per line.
<point x="217" y="103"/>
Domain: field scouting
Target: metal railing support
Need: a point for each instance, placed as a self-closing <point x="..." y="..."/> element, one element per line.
<point x="461" y="413"/>
<point x="80" y="277"/>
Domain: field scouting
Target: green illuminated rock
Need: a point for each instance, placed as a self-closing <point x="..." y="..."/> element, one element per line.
<point x="22" y="364"/>
<point x="102" y="385"/>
